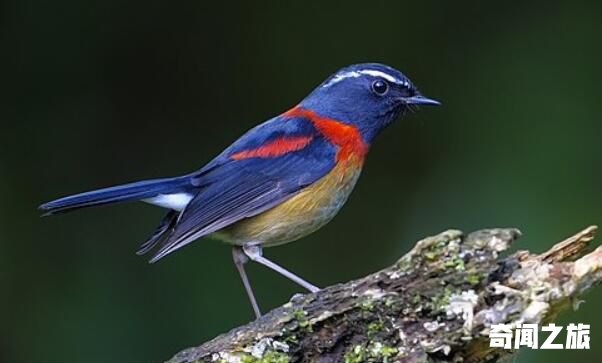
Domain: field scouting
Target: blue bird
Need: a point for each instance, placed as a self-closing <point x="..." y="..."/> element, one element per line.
<point x="281" y="180"/>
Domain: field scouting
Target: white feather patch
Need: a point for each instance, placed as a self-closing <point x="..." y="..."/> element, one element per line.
<point x="370" y="72"/>
<point x="176" y="201"/>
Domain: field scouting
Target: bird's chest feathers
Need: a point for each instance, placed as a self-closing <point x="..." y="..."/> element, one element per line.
<point x="325" y="197"/>
<point x="302" y="214"/>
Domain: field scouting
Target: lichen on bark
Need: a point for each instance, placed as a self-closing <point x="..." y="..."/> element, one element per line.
<point x="435" y="304"/>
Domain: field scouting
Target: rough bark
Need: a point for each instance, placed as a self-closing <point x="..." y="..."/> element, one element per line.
<point x="436" y="304"/>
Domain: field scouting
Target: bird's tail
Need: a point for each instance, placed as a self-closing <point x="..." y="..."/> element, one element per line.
<point x="120" y="193"/>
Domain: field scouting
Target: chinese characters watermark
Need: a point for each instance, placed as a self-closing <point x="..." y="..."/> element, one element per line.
<point x="504" y="336"/>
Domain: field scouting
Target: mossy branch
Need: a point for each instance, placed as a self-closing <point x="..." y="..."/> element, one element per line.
<point x="436" y="304"/>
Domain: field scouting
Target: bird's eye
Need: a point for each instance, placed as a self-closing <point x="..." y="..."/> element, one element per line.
<point x="380" y="87"/>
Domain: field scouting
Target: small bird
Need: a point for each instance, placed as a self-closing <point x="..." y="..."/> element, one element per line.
<point x="281" y="180"/>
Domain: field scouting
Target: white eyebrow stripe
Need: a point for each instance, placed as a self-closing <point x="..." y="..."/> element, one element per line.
<point x="370" y="72"/>
<point x="384" y="75"/>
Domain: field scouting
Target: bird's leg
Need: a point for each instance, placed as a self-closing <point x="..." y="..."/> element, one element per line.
<point x="255" y="253"/>
<point x="240" y="258"/>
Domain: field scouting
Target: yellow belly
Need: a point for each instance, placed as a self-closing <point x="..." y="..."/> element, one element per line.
<point x="304" y="213"/>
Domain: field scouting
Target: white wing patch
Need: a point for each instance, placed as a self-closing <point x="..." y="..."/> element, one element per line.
<point x="370" y="72"/>
<point x="176" y="201"/>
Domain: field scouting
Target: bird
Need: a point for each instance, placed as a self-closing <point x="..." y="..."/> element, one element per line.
<point x="280" y="181"/>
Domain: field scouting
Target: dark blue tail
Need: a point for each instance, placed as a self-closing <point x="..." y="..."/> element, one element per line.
<point x="120" y="193"/>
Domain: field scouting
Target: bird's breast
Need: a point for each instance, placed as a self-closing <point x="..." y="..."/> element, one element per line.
<point x="302" y="214"/>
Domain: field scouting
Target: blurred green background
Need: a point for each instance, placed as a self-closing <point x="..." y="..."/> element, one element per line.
<point x="104" y="92"/>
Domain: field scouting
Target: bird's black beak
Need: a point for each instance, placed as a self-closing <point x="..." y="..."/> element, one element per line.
<point x="420" y="100"/>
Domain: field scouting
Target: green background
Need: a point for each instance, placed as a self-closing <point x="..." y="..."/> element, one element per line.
<point x="104" y="92"/>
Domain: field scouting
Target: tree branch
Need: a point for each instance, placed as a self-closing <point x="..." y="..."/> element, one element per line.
<point x="436" y="304"/>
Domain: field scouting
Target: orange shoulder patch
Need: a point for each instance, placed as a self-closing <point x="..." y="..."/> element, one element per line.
<point x="274" y="148"/>
<point x="347" y="137"/>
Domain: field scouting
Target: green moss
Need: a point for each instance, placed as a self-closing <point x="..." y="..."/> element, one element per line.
<point x="389" y="301"/>
<point x="268" y="357"/>
<point x="435" y="250"/>
<point x="405" y="263"/>
<point x="299" y="314"/>
<point x="416" y="299"/>
<point x="367" y="304"/>
<point x="388" y="352"/>
<point x="455" y="262"/>
<point x="374" y="352"/>
<point x="440" y="301"/>
<point x="291" y="339"/>
<point x="474" y="278"/>
<point x="356" y="355"/>
<point x="375" y="327"/>
<point x="431" y="255"/>
<point x="302" y="321"/>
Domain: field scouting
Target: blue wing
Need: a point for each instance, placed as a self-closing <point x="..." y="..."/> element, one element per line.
<point x="231" y="189"/>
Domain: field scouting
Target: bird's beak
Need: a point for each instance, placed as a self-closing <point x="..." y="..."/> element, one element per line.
<point x="420" y="100"/>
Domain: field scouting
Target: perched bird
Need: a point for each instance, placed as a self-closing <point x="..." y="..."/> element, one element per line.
<point x="280" y="181"/>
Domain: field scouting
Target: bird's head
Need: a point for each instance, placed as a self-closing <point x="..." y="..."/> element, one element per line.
<point x="369" y="96"/>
